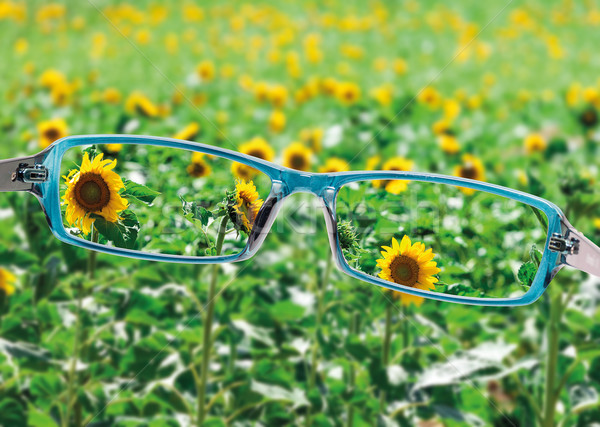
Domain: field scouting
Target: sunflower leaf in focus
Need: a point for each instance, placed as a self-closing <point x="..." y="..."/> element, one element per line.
<point x="122" y="233"/>
<point x="192" y="211"/>
<point x="139" y="192"/>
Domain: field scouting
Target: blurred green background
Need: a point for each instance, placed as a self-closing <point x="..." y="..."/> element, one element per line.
<point x="513" y="85"/>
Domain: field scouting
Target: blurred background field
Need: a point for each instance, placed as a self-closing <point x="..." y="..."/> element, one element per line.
<point x="511" y="87"/>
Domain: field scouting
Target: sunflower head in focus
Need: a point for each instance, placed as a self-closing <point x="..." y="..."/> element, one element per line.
<point x="471" y="168"/>
<point x="297" y="156"/>
<point x="244" y="204"/>
<point x="93" y="190"/>
<point x="408" y="264"/>
<point x="395" y="186"/>
<point x="52" y="130"/>
<point x="7" y="282"/>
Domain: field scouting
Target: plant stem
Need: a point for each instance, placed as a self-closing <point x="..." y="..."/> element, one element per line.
<point x="320" y="293"/>
<point x="552" y="360"/>
<point x="385" y="356"/>
<point x="92" y="255"/>
<point x="206" y="340"/>
<point x="72" y="370"/>
<point x="352" y="380"/>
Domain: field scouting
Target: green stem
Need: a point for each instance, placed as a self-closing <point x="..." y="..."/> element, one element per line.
<point x="405" y="331"/>
<point x="552" y="360"/>
<point x="92" y="255"/>
<point x="320" y="293"/>
<point x="208" y="320"/>
<point x="385" y="356"/>
<point x="352" y="380"/>
<point x="72" y="370"/>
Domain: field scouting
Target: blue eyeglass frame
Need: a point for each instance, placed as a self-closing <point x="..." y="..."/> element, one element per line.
<point x="40" y="175"/>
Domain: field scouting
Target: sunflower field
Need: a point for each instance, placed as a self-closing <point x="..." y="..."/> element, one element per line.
<point x="504" y="92"/>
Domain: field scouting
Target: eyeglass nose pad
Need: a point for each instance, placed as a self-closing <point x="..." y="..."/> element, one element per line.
<point x="265" y="218"/>
<point x="328" y="201"/>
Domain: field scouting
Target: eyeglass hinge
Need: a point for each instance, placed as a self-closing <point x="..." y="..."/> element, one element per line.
<point x="564" y="245"/>
<point x="30" y="174"/>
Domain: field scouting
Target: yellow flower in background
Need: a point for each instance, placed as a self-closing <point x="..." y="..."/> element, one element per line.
<point x="573" y="94"/>
<point x="347" y="92"/>
<point x="171" y="43"/>
<point x="261" y="91"/>
<point x="442" y="126"/>
<point x="206" y="70"/>
<point x="51" y="78"/>
<point x="111" y="96"/>
<point x="114" y="148"/>
<point x="188" y="133"/>
<point x="278" y="95"/>
<point x="334" y="164"/>
<point x="258" y="147"/>
<point x="143" y="36"/>
<point x="395" y="186"/>
<point x="591" y="95"/>
<point x="431" y="97"/>
<point x="21" y="46"/>
<point x="597" y="223"/>
<point x="198" y="166"/>
<point x="297" y="156"/>
<point x="61" y="93"/>
<point x="471" y="168"/>
<point x="7" y="282"/>
<point x="383" y="94"/>
<point x="93" y="190"/>
<point x="535" y="143"/>
<point x="52" y="130"/>
<point x="408" y="264"/>
<point x="372" y="163"/>
<point x="400" y="66"/>
<point x="329" y="86"/>
<point x="449" y="144"/>
<point x="247" y="205"/>
<point x="138" y="103"/>
<point x="312" y="137"/>
<point x="277" y="121"/>
<point x="451" y="109"/>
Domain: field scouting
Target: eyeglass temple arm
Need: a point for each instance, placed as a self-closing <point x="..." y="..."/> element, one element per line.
<point x="22" y="173"/>
<point x="578" y="251"/>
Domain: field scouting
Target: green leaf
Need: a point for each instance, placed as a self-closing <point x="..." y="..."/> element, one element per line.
<point x="39" y="418"/>
<point x="527" y="273"/>
<point x="139" y="192"/>
<point x="122" y="233"/>
<point x="192" y="211"/>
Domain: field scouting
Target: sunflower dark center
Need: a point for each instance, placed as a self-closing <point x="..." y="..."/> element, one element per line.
<point x="257" y="153"/>
<point x="468" y="171"/>
<point x="198" y="169"/>
<point x="92" y="192"/>
<point x="298" y="161"/>
<point x="404" y="270"/>
<point x="51" y="134"/>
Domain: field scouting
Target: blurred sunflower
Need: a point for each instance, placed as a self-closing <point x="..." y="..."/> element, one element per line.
<point x="258" y="147"/>
<point x="244" y="206"/>
<point x="93" y="189"/>
<point x="138" y="103"/>
<point x="471" y="168"/>
<point x="430" y="97"/>
<point x="449" y="144"/>
<point x="409" y="265"/>
<point x="597" y="223"/>
<point x="277" y="121"/>
<point x="334" y="164"/>
<point x="535" y="143"/>
<point x="114" y="148"/>
<point x="347" y="92"/>
<point x="52" y="130"/>
<point x="51" y="78"/>
<point x="198" y="166"/>
<point x="111" y="96"/>
<point x="206" y="70"/>
<point x="7" y="282"/>
<point x="297" y="156"/>
<point x="189" y="132"/>
<point x="394" y="164"/>
<point x="313" y="137"/>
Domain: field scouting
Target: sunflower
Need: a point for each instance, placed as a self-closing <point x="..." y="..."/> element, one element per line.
<point x="206" y="70"/>
<point x="394" y="186"/>
<point x="114" y="148"/>
<point x="348" y="92"/>
<point x="408" y="265"/>
<point x="471" y="168"/>
<point x="7" y="282"/>
<point x="535" y="143"/>
<point x="244" y="205"/>
<point x="258" y="147"/>
<point x="198" y="166"/>
<point x="297" y="156"/>
<point x="449" y="144"/>
<point x="312" y="137"/>
<point x="334" y="164"/>
<point x="93" y="190"/>
<point x="277" y="121"/>
<point x="138" y="103"/>
<point x="51" y="130"/>
<point x="189" y="132"/>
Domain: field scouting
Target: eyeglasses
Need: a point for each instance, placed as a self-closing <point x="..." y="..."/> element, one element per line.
<point x="424" y="235"/>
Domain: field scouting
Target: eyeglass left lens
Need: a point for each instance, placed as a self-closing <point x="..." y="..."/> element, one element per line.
<point x="160" y="200"/>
